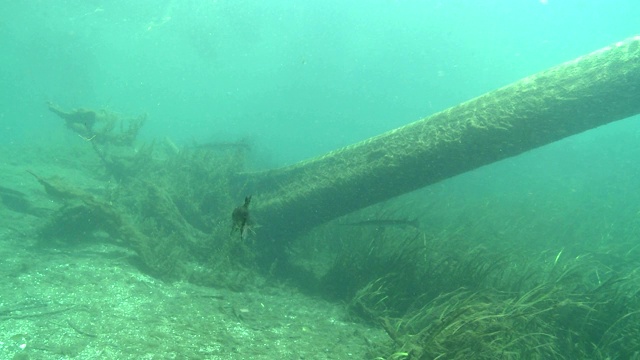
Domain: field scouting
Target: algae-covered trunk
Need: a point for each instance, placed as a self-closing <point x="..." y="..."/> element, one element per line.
<point x="579" y="95"/>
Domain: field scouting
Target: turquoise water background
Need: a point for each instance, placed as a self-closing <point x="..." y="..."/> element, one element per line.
<point x="539" y="250"/>
<point x="297" y="78"/>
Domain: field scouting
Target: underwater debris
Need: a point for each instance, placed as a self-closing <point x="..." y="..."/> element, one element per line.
<point x="240" y="218"/>
<point x="171" y="145"/>
<point x="81" y="121"/>
<point x="58" y="190"/>
<point x="112" y="137"/>
<point x="100" y="125"/>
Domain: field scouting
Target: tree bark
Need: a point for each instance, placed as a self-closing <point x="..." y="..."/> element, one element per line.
<point x="573" y="97"/>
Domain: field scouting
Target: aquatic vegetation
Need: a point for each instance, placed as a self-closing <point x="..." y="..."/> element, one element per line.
<point x="456" y="292"/>
<point x="171" y="208"/>
<point x="459" y="294"/>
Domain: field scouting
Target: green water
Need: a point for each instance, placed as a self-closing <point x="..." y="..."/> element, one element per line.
<point x="130" y="254"/>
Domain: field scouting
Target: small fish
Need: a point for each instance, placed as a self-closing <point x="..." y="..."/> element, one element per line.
<point x="240" y="219"/>
<point x="385" y="222"/>
<point x="242" y="145"/>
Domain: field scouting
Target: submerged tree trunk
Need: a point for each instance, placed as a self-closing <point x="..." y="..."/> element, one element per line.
<point x="573" y="97"/>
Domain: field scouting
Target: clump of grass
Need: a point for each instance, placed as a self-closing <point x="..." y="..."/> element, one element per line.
<point x="562" y="310"/>
<point x="447" y="296"/>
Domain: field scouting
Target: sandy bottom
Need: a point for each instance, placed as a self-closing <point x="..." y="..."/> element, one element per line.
<point x="87" y="301"/>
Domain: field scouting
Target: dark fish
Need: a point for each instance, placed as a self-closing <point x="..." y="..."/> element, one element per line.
<point x="240" y="218"/>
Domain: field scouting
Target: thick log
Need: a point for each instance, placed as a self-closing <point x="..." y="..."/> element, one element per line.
<point x="573" y="97"/>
